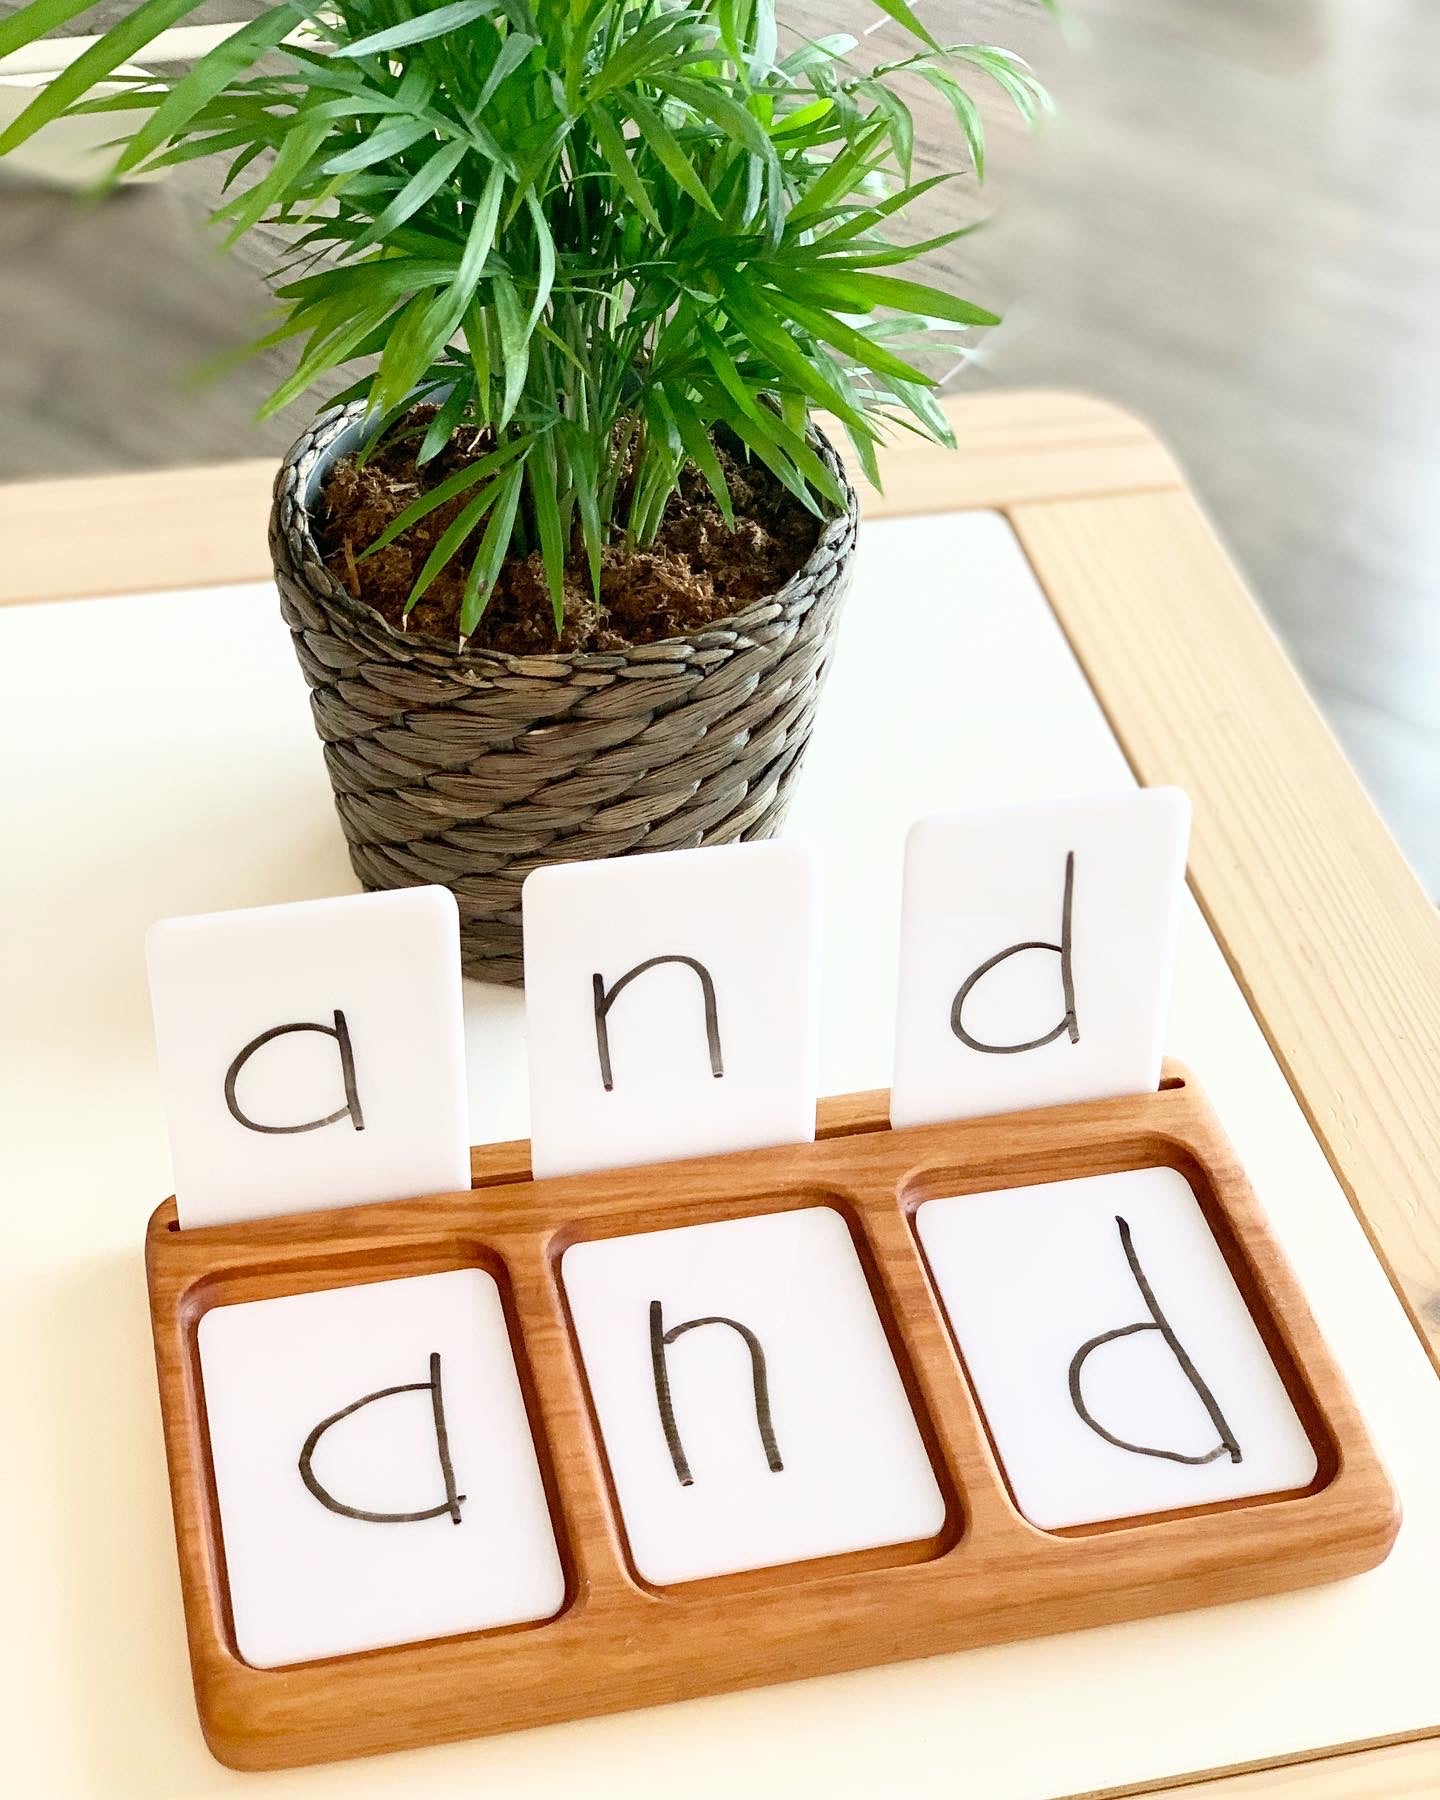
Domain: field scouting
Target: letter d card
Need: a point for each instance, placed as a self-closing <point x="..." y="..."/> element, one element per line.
<point x="1037" y="948"/>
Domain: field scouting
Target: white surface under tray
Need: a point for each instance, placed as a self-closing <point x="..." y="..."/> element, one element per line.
<point x="159" y="758"/>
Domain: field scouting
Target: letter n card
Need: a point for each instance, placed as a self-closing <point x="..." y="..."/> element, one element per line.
<point x="671" y="1005"/>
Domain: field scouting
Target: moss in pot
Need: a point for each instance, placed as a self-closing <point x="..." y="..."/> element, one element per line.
<point x="563" y="564"/>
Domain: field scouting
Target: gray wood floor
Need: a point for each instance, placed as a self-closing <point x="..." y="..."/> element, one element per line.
<point x="1233" y="229"/>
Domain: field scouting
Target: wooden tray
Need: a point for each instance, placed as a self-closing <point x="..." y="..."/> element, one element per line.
<point x="989" y="1576"/>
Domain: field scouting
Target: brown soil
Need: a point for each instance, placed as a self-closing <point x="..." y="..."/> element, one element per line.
<point x="696" y="572"/>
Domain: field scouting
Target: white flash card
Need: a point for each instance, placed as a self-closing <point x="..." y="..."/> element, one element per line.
<point x="1114" y="1358"/>
<point x="312" y="1054"/>
<point x="1037" y="948"/>
<point x="375" y="1469"/>
<point x="748" y="1401"/>
<point x="672" y="1005"/>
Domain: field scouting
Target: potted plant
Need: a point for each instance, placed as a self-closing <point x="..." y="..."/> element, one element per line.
<point x="563" y="563"/>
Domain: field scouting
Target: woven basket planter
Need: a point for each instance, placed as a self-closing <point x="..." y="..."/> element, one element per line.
<point x="471" y="768"/>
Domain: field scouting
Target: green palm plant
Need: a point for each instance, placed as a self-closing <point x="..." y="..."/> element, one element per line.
<point x="597" y="232"/>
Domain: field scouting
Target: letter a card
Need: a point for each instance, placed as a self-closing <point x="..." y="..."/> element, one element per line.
<point x="312" y="1054"/>
<point x="1037" y="948"/>
<point x="671" y="1005"/>
<point x="375" y="1469"/>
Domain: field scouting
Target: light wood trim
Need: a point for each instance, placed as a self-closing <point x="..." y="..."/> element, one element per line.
<point x="1013" y="447"/>
<point x="1404" y="1771"/>
<point x="127" y="534"/>
<point x="988" y="1576"/>
<point x="130" y="534"/>
<point x="1326" y="927"/>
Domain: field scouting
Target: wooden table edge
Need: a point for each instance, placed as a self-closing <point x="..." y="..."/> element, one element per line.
<point x="1101" y="511"/>
<point x="135" y="532"/>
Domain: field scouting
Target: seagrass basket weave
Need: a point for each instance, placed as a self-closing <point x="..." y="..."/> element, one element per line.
<point x="471" y="768"/>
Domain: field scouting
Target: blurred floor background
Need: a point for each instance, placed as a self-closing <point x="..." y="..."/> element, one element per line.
<point x="1233" y="228"/>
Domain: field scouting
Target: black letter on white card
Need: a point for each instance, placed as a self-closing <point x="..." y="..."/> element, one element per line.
<point x="351" y="1109"/>
<point x="606" y="998"/>
<point x="452" y="1501"/>
<point x="660" y="1341"/>
<point x="1157" y="1321"/>
<point x="1068" y="1022"/>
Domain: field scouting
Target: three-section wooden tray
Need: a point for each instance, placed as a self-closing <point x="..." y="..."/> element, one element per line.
<point x="988" y="1576"/>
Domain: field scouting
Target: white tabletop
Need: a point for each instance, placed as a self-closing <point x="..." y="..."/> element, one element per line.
<point x="158" y="758"/>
